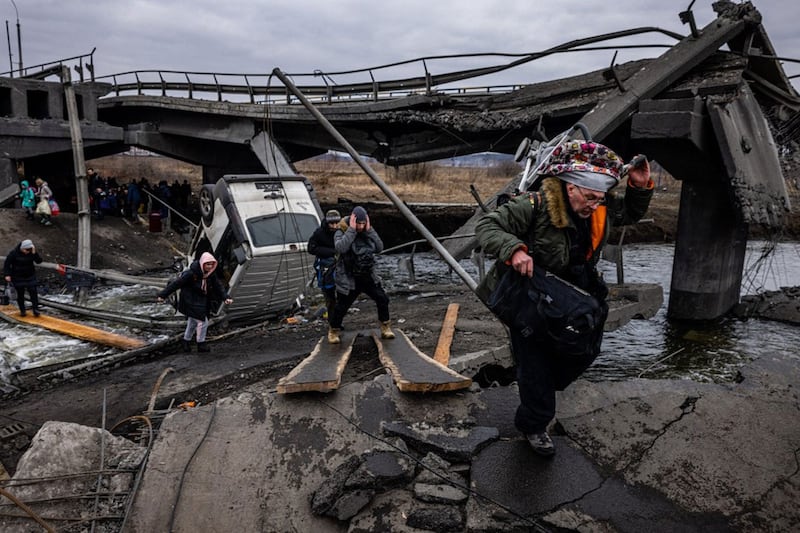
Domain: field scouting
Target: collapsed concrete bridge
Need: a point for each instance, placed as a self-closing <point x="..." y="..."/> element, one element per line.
<point x="714" y="119"/>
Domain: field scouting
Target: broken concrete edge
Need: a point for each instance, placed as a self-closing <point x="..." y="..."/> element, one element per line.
<point x="469" y="364"/>
<point x="782" y="305"/>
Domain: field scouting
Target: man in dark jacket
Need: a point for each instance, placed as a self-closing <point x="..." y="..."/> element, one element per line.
<point x="134" y="200"/>
<point x="19" y="270"/>
<point x="562" y="227"/>
<point x="357" y="243"/>
<point x="199" y="286"/>
<point x="321" y="245"/>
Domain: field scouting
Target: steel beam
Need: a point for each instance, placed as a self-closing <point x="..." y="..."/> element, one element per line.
<point x="618" y="107"/>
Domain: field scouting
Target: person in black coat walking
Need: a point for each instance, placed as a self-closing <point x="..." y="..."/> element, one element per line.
<point x="321" y="245"/>
<point x="19" y="270"/>
<point x="199" y="286"/>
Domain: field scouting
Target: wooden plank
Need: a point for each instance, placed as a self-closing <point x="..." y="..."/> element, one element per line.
<point x="72" y="329"/>
<point x="442" y="353"/>
<point x="322" y="370"/>
<point x="414" y="371"/>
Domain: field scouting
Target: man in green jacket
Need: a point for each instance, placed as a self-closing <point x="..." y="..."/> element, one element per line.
<point x="562" y="227"/>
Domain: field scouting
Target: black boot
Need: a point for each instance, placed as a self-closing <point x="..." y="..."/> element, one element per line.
<point x="186" y="346"/>
<point x="202" y="347"/>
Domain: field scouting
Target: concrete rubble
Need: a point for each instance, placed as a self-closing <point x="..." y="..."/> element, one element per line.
<point x="782" y="305"/>
<point x="60" y="475"/>
<point x="657" y="455"/>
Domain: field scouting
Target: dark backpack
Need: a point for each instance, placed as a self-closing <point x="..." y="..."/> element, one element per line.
<point x="548" y="307"/>
<point x="360" y="259"/>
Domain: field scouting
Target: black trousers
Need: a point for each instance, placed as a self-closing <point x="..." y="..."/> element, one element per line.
<point x="330" y="299"/>
<point x="541" y="371"/>
<point x="366" y="285"/>
<point x="32" y="292"/>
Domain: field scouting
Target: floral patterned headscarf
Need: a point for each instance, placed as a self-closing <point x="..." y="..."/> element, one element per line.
<point x="585" y="164"/>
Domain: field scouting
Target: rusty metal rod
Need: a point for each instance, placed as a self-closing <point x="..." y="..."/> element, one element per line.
<point x="71" y="497"/>
<point x="406" y="212"/>
<point x="102" y="460"/>
<point x="19" y="503"/>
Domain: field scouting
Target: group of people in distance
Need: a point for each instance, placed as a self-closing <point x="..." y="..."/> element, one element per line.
<point x="36" y="201"/>
<point x="107" y="197"/>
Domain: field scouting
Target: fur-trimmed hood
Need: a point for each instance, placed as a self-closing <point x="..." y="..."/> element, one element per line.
<point x="553" y="191"/>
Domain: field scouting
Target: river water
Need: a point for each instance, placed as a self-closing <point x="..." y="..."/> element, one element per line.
<point x="654" y="348"/>
<point x="659" y="348"/>
<point x="25" y="347"/>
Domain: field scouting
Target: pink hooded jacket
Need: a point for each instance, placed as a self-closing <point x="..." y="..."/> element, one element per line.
<point x="205" y="259"/>
<point x="198" y="288"/>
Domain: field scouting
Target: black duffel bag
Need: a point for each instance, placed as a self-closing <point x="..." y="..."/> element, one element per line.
<point x="547" y="307"/>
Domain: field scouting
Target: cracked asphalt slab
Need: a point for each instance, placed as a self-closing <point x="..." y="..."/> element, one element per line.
<point x="726" y="453"/>
<point x="632" y="456"/>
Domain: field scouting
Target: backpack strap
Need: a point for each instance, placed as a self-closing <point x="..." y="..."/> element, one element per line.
<point x="535" y="198"/>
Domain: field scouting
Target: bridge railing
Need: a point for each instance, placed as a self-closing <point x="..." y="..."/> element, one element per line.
<point x="259" y="88"/>
<point x="416" y="78"/>
<point x="83" y="65"/>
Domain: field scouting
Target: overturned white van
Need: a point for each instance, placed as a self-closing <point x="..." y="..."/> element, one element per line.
<point x="257" y="226"/>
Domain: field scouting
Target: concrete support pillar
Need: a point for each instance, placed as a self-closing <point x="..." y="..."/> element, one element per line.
<point x="709" y="253"/>
<point x="9" y="181"/>
<point x="711" y="238"/>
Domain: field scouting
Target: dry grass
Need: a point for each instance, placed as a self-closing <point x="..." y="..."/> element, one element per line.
<point x="333" y="179"/>
<point x="154" y="168"/>
<point x="429" y="183"/>
<point x="343" y="178"/>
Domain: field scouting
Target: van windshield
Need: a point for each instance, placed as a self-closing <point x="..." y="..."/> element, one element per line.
<point x="281" y="228"/>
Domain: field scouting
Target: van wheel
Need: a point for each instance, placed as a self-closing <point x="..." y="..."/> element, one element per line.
<point x="207" y="203"/>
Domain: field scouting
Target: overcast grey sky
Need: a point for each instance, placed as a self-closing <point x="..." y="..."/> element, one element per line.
<point x="240" y="36"/>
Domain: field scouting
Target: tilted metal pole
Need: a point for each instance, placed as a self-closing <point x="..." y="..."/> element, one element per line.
<point x="419" y="226"/>
<point x="19" y="39"/>
<point x="82" y="188"/>
<point x="10" y="61"/>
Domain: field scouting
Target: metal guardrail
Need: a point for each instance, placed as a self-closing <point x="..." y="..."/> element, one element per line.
<point x="259" y="87"/>
<point x="84" y="62"/>
<point x="154" y="198"/>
